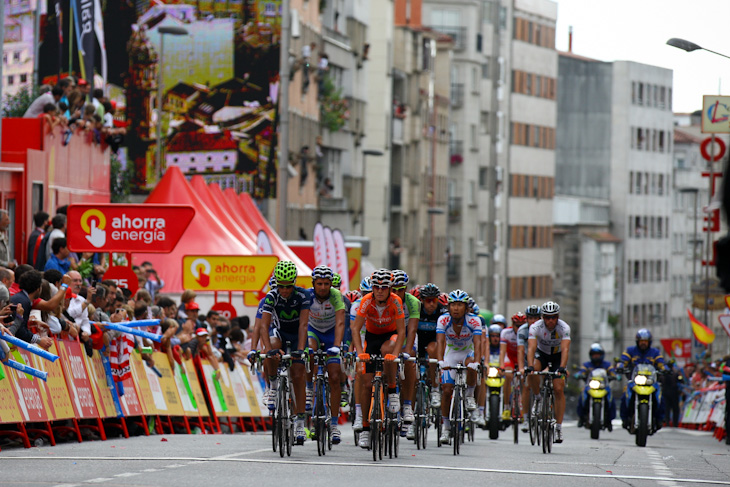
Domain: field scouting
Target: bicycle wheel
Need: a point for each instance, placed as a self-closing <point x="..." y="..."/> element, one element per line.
<point x="375" y="422"/>
<point x="327" y="414"/>
<point x="282" y="417"/>
<point x="275" y="425"/>
<point x="396" y="435"/>
<point x="516" y="413"/>
<point x="533" y="424"/>
<point x="417" y="414"/>
<point x="439" y="420"/>
<point x="455" y="418"/>
<point x="545" y="422"/>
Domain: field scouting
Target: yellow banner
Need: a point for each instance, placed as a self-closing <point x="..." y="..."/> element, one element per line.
<point x="143" y="386"/>
<point x="167" y="383"/>
<point x="195" y="386"/>
<point x="54" y="390"/>
<point x="227" y="273"/>
<point x="102" y="393"/>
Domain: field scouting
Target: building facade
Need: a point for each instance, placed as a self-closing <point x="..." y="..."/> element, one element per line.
<point x="18" y="45"/>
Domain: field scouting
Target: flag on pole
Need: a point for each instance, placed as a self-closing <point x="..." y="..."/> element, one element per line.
<point x="702" y="333"/>
<point x="99" y="31"/>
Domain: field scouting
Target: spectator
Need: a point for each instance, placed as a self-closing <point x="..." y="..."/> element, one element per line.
<point x="192" y="309"/>
<point x="84" y="88"/>
<point x="77" y="309"/>
<point x="7" y="277"/>
<point x="326" y="188"/>
<point x="59" y="231"/>
<point x="108" y="114"/>
<point x="154" y="283"/>
<point x="187" y="297"/>
<point x="99" y="301"/>
<point x="168" y="306"/>
<point x="36" y="108"/>
<point x="67" y="86"/>
<point x="30" y="290"/>
<point x="34" y="242"/>
<point x="5" y="260"/>
<point x="50" y="118"/>
<point x="19" y="271"/>
<point x="75" y="107"/>
<point x="98" y="102"/>
<point x="59" y="260"/>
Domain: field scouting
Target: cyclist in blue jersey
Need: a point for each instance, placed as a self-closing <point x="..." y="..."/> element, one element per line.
<point x="325" y="331"/>
<point x="431" y="311"/>
<point x="285" y="316"/>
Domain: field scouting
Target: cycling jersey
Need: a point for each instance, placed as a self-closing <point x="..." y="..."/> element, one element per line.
<point x="322" y="315"/>
<point x="411" y="308"/>
<point x="548" y="341"/>
<point x="381" y="318"/>
<point x="523" y="333"/>
<point x="464" y="340"/>
<point x="509" y="337"/>
<point x="260" y="309"/>
<point x="285" y="312"/>
<point x="427" y="322"/>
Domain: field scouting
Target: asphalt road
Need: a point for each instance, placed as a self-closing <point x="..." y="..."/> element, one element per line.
<point x="672" y="458"/>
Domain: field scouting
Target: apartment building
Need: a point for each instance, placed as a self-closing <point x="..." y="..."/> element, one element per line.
<point x="18" y="45"/>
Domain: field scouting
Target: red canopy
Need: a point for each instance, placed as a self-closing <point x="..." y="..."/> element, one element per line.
<point x="205" y="235"/>
<point x="225" y="223"/>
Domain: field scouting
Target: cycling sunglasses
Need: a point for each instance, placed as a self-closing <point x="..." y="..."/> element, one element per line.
<point x="381" y="287"/>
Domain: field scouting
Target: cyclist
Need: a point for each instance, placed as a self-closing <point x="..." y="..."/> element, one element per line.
<point x="500" y="320"/>
<point x="597" y="361"/>
<point x="257" y="343"/>
<point x="412" y="312"/>
<point x="459" y="341"/>
<point x="349" y="298"/>
<point x="365" y="289"/>
<point x="431" y="310"/>
<point x="381" y="313"/>
<point x="532" y="314"/>
<point x="326" y="330"/>
<point x="285" y="315"/>
<point x="642" y="353"/>
<point x="548" y="347"/>
<point x="509" y="360"/>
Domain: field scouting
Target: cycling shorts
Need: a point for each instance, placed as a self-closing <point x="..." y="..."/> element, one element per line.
<point x="548" y="360"/>
<point x="373" y="344"/>
<point x="292" y="338"/>
<point x="324" y="340"/>
<point x="451" y="359"/>
<point x="424" y="338"/>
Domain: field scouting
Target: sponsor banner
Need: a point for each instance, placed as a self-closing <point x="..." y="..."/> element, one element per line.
<point x="144" y="389"/>
<point x="130" y="402"/>
<point x="168" y="385"/>
<point x="227" y="273"/>
<point x="188" y="407"/>
<point x="329" y="246"/>
<point x="195" y="386"/>
<point x="100" y="386"/>
<point x="677" y="348"/>
<point x="215" y="399"/>
<point x="77" y="380"/>
<point x="9" y="407"/>
<point x="341" y="259"/>
<point x="28" y="396"/>
<point x="124" y="277"/>
<point x="127" y="228"/>
<point x="248" y="382"/>
<point x="320" y="246"/>
<point x="225" y="309"/>
<point x="53" y="389"/>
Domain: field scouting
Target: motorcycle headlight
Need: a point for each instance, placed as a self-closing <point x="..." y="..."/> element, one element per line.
<point x="493" y="372"/>
<point x="640" y="380"/>
<point x="594" y="384"/>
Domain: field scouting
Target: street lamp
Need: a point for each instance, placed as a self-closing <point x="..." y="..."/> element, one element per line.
<point x="690" y="46"/>
<point x="173" y="31"/>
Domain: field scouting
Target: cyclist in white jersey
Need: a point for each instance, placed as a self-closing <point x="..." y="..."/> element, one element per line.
<point x="459" y="340"/>
<point x="326" y="329"/>
<point x="548" y="347"/>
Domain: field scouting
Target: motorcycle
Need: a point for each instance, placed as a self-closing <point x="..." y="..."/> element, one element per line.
<point x="642" y="403"/>
<point x="495" y="381"/>
<point x="598" y="390"/>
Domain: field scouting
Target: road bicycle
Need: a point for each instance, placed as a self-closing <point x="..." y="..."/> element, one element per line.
<point x="321" y="414"/>
<point x="422" y="405"/>
<point x="282" y="417"/>
<point x="380" y="437"/>
<point x="515" y="404"/>
<point x="458" y="412"/>
<point x="546" y="416"/>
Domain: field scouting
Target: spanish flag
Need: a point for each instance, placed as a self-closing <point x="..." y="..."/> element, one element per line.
<point x="702" y="333"/>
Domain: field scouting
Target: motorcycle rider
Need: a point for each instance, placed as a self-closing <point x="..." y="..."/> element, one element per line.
<point x="597" y="361"/>
<point x="641" y="353"/>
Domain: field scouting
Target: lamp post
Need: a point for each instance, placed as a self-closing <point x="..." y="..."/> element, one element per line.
<point x="689" y="46"/>
<point x="163" y="30"/>
<point x="695" y="192"/>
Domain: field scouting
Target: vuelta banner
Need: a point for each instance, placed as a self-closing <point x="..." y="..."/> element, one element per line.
<point x="320" y="247"/>
<point x="127" y="228"/>
<point x="83" y="16"/>
<point x="77" y="379"/>
<point x="329" y="245"/>
<point x="227" y="273"/>
<point x="53" y="390"/>
<point x="341" y="259"/>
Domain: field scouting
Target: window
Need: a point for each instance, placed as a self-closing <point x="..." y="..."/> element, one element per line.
<point x="5" y="58"/>
<point x="484" y="122"/>
<point x="483" y="177"/>
<point x="485" y="69"/>
<point x="11" y="80"/>
<point x="23" y="78"/>
<point x="16" y="57"/>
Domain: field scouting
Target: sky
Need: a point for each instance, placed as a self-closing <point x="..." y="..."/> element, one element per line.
<point x="637" y="30"/>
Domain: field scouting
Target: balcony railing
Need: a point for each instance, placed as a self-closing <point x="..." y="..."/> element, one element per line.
<point x="453" y="267"/>
<point x="456" y="152"/>
<point x="337" y="36"/>
<point x="458" y="34"/>
<point x="454" y="209"/>
<point x="457" y="95"/>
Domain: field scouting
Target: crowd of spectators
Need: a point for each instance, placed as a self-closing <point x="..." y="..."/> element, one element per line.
<point x="60" y="293"/>
<point x="77" y="109"/>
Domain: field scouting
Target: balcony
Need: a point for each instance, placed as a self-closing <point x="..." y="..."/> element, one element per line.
<point x="395" y="195"/>
<point x="457" y="95"/>
<point x="456" y="152"/>
<point x="454" y="209"/>
<point x="336" y="36"/>
<point x="458" y="34"/>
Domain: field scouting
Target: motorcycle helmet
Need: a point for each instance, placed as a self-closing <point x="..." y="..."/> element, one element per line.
<point x="596" y="354"/>
<point x="643" y="334"/>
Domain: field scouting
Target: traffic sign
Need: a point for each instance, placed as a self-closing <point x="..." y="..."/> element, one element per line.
<point x="127" y="228"/>
<point x="715" y="114"/>
<point x="706" y="155"/>
<point x="227" y="272"/>
<point x="725" y="322"/>
<point x="225" y="309"/>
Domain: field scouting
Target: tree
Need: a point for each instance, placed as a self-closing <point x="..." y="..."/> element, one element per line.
<point x="17" y="104"/>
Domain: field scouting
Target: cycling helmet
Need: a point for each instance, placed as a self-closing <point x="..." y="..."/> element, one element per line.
<point x="495" y="330"/>
<point x="416" y="292"/>
<point x="533" y="311"/>
<point x="382" y="277"/>
<point x="550" y="308"/>
<point x="596" y="348"/>
<point x="430" y="290"/>
<point x="519" y="318"/>
<point x="643" y="334"/>
<point x="336" y="280"/>
<point x="400" y="278"/>
<point x="499" y="320"/>
<point x="366" y="286"/>
<point x="475" y="309"/>
<point x="272" y="282"/>
<point x="353" y="295"/>
<point x="458" y="296"/>
<point x="322" y="272"/>
<point x="285" y="270"/>
<point x="444" y="299"/>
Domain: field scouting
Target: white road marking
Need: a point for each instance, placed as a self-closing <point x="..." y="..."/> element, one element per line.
<point x="97" y="480"/>
<point x="660" y="468"/>
<point x="128" y="474"/>
<point x="382" y="465"/>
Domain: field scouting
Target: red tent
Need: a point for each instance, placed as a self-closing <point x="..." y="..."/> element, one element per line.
<point x="205" y="235"/>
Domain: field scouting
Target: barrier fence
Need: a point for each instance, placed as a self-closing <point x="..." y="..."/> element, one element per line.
<point x="705" y="410"/>
<point x="80" y="393"/>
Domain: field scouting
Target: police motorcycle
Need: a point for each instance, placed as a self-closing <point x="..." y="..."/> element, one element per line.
<point x="641" y="389"/>
<point x="597" y="390"/>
